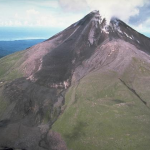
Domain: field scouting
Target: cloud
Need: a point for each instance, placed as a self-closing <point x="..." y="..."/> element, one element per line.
<point x="142" y="16"/>
<point x="74" y="5"/>
<point x="57" y="20"/>
<point x="11" y="23"/>
<point x="122" y="9"/>
<point x="44" y="3"/>
<point x="32" y="12"/>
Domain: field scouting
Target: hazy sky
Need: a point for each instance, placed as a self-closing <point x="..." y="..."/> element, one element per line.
<point x="62" y="13"/>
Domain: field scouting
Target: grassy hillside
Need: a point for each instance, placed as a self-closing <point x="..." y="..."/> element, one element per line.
<point x="101" y="113"/>
<point x="9" y="66"/>
<point x="8" y="72"/>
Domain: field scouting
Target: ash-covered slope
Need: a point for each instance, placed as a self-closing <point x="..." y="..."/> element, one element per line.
<point x="82" y="39"/>
<point x="118" y="29"/>
<point x="85" y="88"/>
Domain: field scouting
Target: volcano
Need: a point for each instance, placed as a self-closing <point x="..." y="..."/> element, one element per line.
<point x="85" y="88"/>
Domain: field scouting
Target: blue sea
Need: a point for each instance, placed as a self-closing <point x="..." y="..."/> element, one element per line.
<point x="13" y="39"/>
<point x="26" y="33"/>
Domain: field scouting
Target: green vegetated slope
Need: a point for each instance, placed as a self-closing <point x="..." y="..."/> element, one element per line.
<point x="9" y="66"/>
<point x="8" y="72"/>
<point x="103" y="113"/>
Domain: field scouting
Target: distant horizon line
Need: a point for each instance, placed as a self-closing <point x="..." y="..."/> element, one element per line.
<point x="22" y="39"/>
